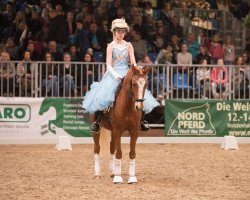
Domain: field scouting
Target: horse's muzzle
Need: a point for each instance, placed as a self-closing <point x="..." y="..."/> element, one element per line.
<point x="138" y="106"/>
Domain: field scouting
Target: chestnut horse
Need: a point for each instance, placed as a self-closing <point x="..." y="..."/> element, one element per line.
<point x="125" y="115"/>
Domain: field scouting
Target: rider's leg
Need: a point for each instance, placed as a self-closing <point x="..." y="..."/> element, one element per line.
<point x="144" y="123"/>
<point x="95" y="121"/>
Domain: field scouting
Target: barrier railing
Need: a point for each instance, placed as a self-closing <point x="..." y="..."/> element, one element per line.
<point x="59" y="79"/>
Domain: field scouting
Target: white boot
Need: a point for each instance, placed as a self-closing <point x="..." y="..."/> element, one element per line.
<point x="97" y="165"/>
<point x="118" y="171"/>
<point x="132" y="177"/>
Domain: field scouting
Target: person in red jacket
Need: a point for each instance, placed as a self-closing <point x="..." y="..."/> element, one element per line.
<point x="219" y="80"/>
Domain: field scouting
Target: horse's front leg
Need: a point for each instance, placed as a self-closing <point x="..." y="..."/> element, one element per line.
<point x="96" y="137"/>
<point x="112" y="156"/>
<point x="132" y="155"/>
<point x="118" y="156"/>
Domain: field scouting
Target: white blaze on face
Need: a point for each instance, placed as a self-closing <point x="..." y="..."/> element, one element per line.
<point x="141" y="83"/>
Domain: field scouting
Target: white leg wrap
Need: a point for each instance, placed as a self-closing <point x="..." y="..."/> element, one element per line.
<point x="97" y="165"/>
<point x="132" y="178"/>
<point x="118" y="167"/>
<point x="112" y="163"/>
<point x="118" y="171"/>
<point x="132" y="167"/>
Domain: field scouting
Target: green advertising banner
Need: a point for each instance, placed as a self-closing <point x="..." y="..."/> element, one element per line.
<point x="22" y="118"/>
<point x="207" y="118"/>
<point x="70" y="116"/>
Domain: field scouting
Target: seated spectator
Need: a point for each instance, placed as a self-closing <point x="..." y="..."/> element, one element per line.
<point x="159" y="39"/>
<point x="81" y="37"/>
<point x="139" y="46"/>
<point x="25" y="75"/>
<point x="7" y="75"/>
<point x="219" y="80"/>
<point x="165" y="56"/>
<point x="11" y="49"/>
<point x="97" y="40"/>
<point x="175" y="28"/>
<point x="56" y="55"/>
<point x="20" y="36"/>
<point x="113" y="9"/>
<point x="174" y="42"/>
<point x="106" y="31"/>
<point x="73" y="53"/>
<point x="67" y="73"/>
<point x="49" y="77"/>
<point x="215" y="49"/>
<point x="148" y="10"/>
<point x="193" y="46"/>
<point x="155" y="82"/>
<point x="245" y="57"/>
<point x="87" y="73"/>
<point x="138" y="26"/>
<point x="184" y="59"/>
<point x="203" y="55"/>
<point x="58" y="30"/>
<point x="150" y="29"/>
<point x="184" y="17"/>
<point x="34" y="56"/>
<point x="20" y="17"/>
<point x="228" y="51"/>
<point x="80" y="16"/>
<point x="71" y="27"/>
<point x="166" y="14"/>
<point x="34" y="23"/>
<point x="7" y="17"/>
<point x="239" y="79"/>
<point x="203" y="79"/>
<point x="88" y="20"/>
<point x="100" y="15"/>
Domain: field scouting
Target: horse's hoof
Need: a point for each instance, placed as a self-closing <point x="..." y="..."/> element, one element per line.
<point x="132" y="180"/>
<point x="97" y="177"/>
<point x="112" y="175"/>
<point x="117" y="180"/>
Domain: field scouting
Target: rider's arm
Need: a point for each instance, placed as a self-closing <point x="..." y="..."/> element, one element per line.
<point x="110" y="69"/>
<point x="131" y="54"/>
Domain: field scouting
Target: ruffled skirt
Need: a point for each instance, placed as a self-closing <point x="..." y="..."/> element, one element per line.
<point x="102" y="95"/>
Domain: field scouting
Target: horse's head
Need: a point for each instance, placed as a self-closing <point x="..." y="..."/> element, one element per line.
<point x="138" y="84"/>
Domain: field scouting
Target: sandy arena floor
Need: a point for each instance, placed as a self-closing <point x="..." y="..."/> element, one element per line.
<point x="169" y="171"/>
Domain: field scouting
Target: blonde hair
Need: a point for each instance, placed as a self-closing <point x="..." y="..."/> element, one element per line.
<point x="119" y="23"/>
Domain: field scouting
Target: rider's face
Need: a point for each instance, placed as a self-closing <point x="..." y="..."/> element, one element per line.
<point x="119" y="34"/>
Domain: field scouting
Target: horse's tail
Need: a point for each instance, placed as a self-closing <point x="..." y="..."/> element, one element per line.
<point x="105" y="137"/>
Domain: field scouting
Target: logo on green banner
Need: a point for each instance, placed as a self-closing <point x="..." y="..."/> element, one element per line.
<point x="70" y="117"/>
<point x="193" y="121"/>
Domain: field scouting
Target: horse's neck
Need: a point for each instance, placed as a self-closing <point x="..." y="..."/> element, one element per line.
<point x="124" y="98"/>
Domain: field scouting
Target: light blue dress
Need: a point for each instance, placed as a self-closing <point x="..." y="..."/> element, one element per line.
<point x="102" y="94"/>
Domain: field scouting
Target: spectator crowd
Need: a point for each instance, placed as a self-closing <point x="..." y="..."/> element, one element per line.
<point x="79" y="30"/>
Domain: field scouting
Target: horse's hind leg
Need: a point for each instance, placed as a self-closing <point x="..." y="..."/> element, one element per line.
<point x="132" y="154"/>
<point x="112" y="156"/>
<point x="96" y="137"/>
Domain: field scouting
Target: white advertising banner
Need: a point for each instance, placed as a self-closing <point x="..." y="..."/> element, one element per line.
<point x="25" y="118"/>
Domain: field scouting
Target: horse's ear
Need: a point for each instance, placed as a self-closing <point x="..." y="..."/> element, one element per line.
<point x="135" y="69"/>
<point x="146" y="70"/>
